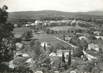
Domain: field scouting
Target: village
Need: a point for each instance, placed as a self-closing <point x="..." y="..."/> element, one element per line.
<point x="58" y="47"/>
<point x="50" y="41"/>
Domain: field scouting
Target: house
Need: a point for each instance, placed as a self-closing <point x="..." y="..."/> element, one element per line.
<point x="38" y="72"/>
<point x="89" y="56"/>
<point x="38" y="22"/>
<point x="45" y="47"/>
<point x="59" y="53"/>
<point x="11" y="65"/>
<point x="73" y="22"/>
<point x="27" y="25"/>
<point x="52" y="54"/>
<point x="99" y="37"/>
<point x="83" y="37"/>
<point x="20" y="54"/>
<point x="15" y="25"/>
<point x="73" y="71"/>
<point x="21" y="59"/>
<point x="56" y="71"/>
<point x="66" y="53"/>
<point x="19" y="46"/>
<point x="53" y="57"/>
<point x="93" y="46"/>
<point x="67" y="38"/>
<point x="30" y="61"/>
<point x="97" y="32"/>
<point x="46" y="44"/>
<point x="32" y="24"/>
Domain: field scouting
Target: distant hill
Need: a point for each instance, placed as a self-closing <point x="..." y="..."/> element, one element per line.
<point x="26" y="15"/>
<point x="97" y="13"/>
<point x="39" y="13"/>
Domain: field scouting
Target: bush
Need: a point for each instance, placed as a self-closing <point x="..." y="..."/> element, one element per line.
<point x="78" y="52"/>
<point x="27" y="35"/>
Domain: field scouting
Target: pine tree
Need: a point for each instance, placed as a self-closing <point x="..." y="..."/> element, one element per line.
<point x="63" y="58"/>
<point x="69" y="58"/>
<point x="45" y="47"/>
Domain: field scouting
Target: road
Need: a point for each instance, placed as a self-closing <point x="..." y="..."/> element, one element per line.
<point x="65" y="42"/>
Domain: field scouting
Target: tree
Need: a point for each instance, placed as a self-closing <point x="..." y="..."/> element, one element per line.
<point x="78" y="52"/>
<point x="45" y="47"/>
<point x="37" y="49"/>
<point x="3" y="14"/>
<point x="83" y="43"/>
<point x="27" y="35"/>
<point x="69" y="58"/>
<point x="63" y="58"/>
<point x="75" y="41"/>
<point x="88" y="67"/>
<point x="6" y="37"/>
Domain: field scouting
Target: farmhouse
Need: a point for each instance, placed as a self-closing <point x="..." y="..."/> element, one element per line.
<point x="93" y="46"/>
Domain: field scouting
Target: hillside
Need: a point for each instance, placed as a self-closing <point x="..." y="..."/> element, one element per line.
<point x="30" y="15"/>
<point x="97" y="13"/>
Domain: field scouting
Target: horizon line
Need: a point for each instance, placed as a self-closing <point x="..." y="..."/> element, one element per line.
<point x="56" y="10"/>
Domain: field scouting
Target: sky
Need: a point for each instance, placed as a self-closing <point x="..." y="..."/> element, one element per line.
<point x="59" y="5"/>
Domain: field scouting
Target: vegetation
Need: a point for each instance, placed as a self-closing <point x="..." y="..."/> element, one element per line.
<point x="30" y="16"/>
<point x="53" y="33"/>
<point x="63" y="58"/>
<point x="27" y="35"/>
<point x="6" y="37"/>
<point x="36" y="48"/>
<point x="78" y="52"/>
<point x="69" y="58"/>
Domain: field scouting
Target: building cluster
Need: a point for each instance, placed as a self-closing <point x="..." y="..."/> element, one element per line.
<point x="83" y="53"/>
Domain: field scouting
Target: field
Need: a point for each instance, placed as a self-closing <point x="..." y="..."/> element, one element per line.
<point x="65" y="28"/>
<point x="21" y="30"/>
<point x="18" y="32"/>
<point x="42" y="37"/>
